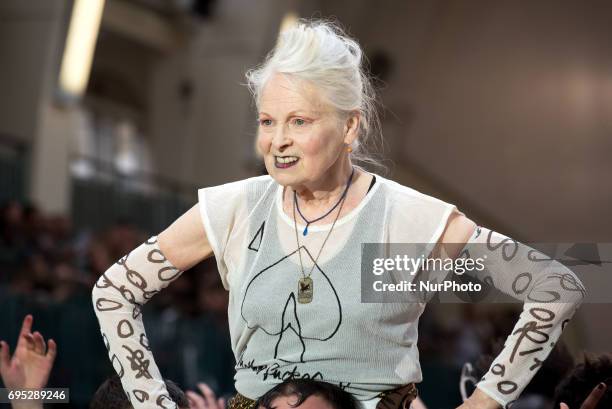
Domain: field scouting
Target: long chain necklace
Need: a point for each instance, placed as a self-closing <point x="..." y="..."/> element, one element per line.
<point x="305" y="284"/>
<point x="309" y="222"/>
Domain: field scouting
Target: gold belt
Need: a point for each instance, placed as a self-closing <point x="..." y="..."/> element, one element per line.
<point x="398" y="398"/>
<point x="240" y="402"/>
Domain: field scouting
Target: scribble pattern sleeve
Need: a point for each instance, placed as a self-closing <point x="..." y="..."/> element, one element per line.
<point x="551" y="293"/>
<point x="118" y="297"/>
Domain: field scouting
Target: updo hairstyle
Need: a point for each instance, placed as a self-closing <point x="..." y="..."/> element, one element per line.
<point x="321" y="53"/>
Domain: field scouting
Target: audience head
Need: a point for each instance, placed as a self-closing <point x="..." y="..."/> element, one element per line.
<point x="579" y="383"/>
<point x="110" y="395"/>
<point x="307" y="394"/>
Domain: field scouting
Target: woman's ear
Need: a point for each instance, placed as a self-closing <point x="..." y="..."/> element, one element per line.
<point x="351" y="127"/>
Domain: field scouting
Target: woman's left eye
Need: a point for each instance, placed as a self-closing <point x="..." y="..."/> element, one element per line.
<point x="299" y="121"/>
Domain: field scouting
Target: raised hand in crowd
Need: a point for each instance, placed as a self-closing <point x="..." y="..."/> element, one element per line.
<point x="30" y="365"/>
<point x="592" y="400"/>
<point x="208" y="399"/>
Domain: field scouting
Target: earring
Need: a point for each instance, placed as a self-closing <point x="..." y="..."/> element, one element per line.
<point x="349" y="149"/>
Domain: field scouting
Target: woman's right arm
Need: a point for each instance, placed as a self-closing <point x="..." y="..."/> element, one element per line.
<point x="185" y="243"/>
<point x="125" y="287"/>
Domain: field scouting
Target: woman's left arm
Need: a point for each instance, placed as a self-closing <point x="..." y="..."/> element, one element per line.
<point x="551" y="294"/>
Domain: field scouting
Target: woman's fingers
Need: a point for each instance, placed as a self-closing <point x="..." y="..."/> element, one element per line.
<point x="209" y="395"/>
<point x="5" y="355"/>
<point x="594" y="397"/>
<point x="34" y="341"/>
<point x="39" y="343"/>
<point x="51" y="350"/>
<point x="197" y="401"/>
<point x="26" y="326"/>
<point x="29" y="341"/>
<point x="207" y="400"/>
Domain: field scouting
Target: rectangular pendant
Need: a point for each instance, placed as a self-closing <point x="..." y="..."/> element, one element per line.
<point x="305" y="289"/>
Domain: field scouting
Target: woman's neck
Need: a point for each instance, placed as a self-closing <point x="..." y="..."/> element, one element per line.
<point x="326" y="192"/>
<point x="313" y="209"/>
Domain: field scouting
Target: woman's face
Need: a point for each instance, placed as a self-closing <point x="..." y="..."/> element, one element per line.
<point x="300" y="135"/>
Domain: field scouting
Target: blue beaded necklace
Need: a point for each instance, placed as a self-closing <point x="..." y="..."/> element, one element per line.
<point x="309" y="222"/>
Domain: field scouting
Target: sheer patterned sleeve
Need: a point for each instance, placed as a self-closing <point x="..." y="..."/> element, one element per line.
<point x="118" y="297"/>
<point x="550" y="292"/>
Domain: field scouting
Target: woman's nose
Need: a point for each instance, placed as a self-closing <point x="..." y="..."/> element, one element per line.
<point x="281" y="138"/>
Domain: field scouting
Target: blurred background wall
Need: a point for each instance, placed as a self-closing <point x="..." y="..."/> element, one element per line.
<point x="501" y="107"/>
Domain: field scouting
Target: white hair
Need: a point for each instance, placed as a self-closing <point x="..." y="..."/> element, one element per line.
<point x="323" y="54"/>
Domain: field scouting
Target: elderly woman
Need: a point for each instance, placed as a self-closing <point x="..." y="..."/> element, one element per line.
<point x="288" y="248"/>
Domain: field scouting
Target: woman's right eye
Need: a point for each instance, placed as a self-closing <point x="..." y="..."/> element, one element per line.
<point x="265" y="122"/>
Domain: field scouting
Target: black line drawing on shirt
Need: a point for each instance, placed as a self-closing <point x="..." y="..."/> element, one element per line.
<point x="286" y="326"/>
<point x="256" y="240"/>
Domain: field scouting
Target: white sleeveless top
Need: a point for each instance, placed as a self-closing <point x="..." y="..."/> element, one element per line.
<point x="365" y="348"/>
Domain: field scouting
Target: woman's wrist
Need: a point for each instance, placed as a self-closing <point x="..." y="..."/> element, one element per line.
<point x="480" y="400"/>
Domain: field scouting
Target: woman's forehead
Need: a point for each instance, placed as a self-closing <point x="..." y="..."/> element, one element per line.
<point x="284" y="94"/>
